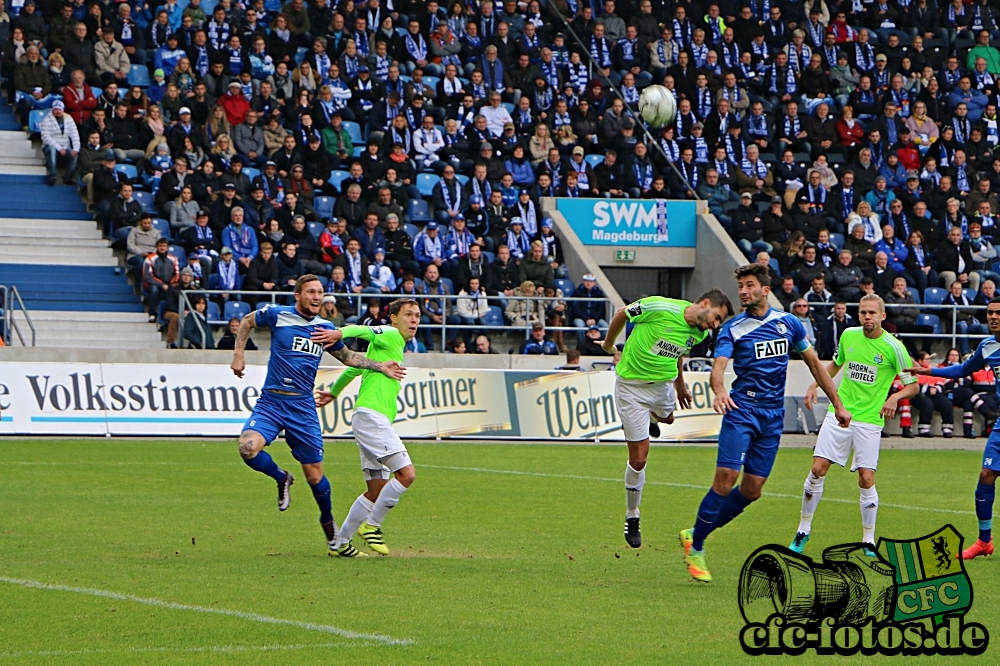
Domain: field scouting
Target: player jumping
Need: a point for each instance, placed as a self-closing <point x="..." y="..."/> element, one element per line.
<point x="649" y="380"/>
<point x="758" y="340"/>
<point x="287" y="400"/>
<point x="873" y="358"/>
<point x="986" y="354"/>
<point x="382" y="452"/>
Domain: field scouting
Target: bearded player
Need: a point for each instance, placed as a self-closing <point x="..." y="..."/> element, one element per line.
<point x="874" y="358"/>
<point x="287" y="401"/>
<point x="986" y="354"/>
<point x="753" y="412"/>
<point x="649" y="380"/>
<point x="382" y="452"/>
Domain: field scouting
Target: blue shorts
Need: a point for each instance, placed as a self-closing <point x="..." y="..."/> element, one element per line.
<point x="749" y="439"/>
<point x="991" y="454"/>
<point x="297" y="415"/>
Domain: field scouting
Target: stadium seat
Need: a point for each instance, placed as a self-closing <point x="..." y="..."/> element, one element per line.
<point x="358" y="150"/>
<point x="122" y="234"/>
<point x="934" y="295"/>
<point x="213" y="281"/>
<point x="35" y="120"/>
<point x="914" y="293"/>
<point x="775" y="266"/>
<point x="316" y="228"/>
<point x="236" y="309"/>
<point x="489" y="257"/>
<point x="494" y="316"/>
<point x="510" y="107"/>
<point x="462" y="178"/>
<point x="419" y="211"/>
<point x="448" y="283"/>
<point x="594" y="160"/>
<point x="337" y="177"/>
<point x="426" y="183"/>
<point x="178" y="252"/>
<point x="837" y="240"/>
<point x="970" y="294"/>
<point x="324" y="207"/>
<point x="251" y="172"/>
<point x="567" y="286"/>
<point x="127" y="170"/>
<point x="145" y="199"/>
<point x="212" y="314"/>
<point x="354" y="131"/>
<point x="138" y="75"/>
<point x="431" y="81"/>
<point x="160" y="224"/>
<point x="411" y="229"/>
<point x="930" y="320"/>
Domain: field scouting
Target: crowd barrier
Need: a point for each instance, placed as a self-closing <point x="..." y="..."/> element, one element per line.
<point x="208" y="400"/>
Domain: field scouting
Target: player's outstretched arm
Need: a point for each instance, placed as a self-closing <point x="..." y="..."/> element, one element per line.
<point x="247" y="324"/>
<point x="832" y="369"/>
<point x="353" y="359"/>
<point x="825" y="382"/>
<point x="722" y="403"/>
<point x="615" y="329"/>
<point x="972" y="364"/>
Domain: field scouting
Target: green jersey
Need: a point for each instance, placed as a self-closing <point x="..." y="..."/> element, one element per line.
<point x="869" y="368"/>
<point x="378" y="392"/>
<point x="659" y="338"/>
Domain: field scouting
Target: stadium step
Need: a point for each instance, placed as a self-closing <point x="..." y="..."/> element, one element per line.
<point x="41" y="255"/>
<point x="118" y="318"/>
<point x="82" y="232"/>
<point x="14" y="169"/>
<point x="58" y="245"/>
<point x="19" y="161"/>
<point x="18" y="149"/>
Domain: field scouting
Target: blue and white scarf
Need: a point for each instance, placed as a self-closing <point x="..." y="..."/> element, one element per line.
<point x="600" y="52"/>
<point x="683" y="31"/>
<point x="754" y="169"/>
<point x="789" y="80"/>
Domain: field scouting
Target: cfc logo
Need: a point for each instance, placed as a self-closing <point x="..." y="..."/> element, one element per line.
<point x="879" y="359"/>
<point x="306" y="346"/>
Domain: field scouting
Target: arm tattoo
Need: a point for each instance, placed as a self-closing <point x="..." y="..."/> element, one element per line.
<point x="354" y="359"/>
<point x="244" y="333"/>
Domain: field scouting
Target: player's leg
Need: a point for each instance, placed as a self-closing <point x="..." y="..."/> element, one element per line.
<point x="376" y="477"/>
<point x="634" y="408"/>
<point x="304" y="437"/>
<point x="261" y="429"/>
<point x="985" y="494"/>
<point x="664" y="414"/>
<point x="867" y="442"/>
<point x="403" y="476"/>
<point x="832" y="445"/>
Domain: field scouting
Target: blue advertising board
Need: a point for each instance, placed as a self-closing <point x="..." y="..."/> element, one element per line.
<point x="647" y="222"/>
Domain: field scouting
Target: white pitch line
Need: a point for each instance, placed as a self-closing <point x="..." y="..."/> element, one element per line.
<point x="217" y="649"/>
<point x="253" y="617"/>
<point x="680" y="485"/>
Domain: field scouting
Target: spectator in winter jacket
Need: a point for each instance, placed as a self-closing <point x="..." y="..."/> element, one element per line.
<point x="111" y="59"/>
<point x="235" y="104"/>
<point x="159" y="272"/>
<point x="79" y="98"/>
<point x="141" y="243"/>
<point x="748" y="228"/>
<point x="60" y="143"/>
<point x="428" y="247"/>
<point x="240" y="237"/>
<point x="536" y="267"/>
<point x="262" y="273"/>
<point x="583" y="314"/>
<point x="846" y="277"/>
<point x="537" y="343"/>
<point x="895" y="250"/>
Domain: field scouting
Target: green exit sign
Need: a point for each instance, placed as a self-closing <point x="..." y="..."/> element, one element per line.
<point x="624" y="255"/>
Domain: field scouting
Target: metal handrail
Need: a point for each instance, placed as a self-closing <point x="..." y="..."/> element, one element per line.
<point x="923" y="307"/>
<point x="273" y="296"/>
<point x="8" y="319"/>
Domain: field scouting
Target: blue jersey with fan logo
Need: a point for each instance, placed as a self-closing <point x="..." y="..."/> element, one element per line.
<point x="759" y="348"/>
<point x="294" y="356"/>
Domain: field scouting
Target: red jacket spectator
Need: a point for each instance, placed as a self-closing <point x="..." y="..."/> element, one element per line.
<point x="909" y="157"/>
<point x="235" y="104"/>
<point x="78" y="105"/>
<point x="841" y="31"/>
<point x="850" y="136"/>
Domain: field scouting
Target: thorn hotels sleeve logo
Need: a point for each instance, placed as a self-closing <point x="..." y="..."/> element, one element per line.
<point x="909" y="598"/>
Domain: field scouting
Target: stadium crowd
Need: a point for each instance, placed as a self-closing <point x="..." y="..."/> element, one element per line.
<point x="852" y="144"/>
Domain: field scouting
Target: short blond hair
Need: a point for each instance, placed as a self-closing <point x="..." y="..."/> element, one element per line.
<point x="874" y="298"/>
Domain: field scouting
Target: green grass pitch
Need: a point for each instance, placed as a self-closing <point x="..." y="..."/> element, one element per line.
<point x="502" y="554"/>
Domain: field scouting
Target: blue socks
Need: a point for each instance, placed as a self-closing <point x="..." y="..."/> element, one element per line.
<point x="707" y="513"/>
<point x="321" y="492"/>
<point x="264" y="463"/>
<point x="984" y="509"/>
<point x="732" y="507"/>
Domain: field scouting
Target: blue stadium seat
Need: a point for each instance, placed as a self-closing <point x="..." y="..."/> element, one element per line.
<point x="127" y="170"/>
<point x="251" y="172"/>
<point x="930" y="320"/>
<point x="489" y="256"/>
<point x="236" y="309"/>
<point x="145" y="199"/>
<point x="316" y="228"/>
<point x="775" y="266"/>
<point x="462" y="178"/>
<point x="510" y="107"/>
<point x="431" y="81"/>
<point x="970" y="294"/>
<point x="426" y="183"/>
<point x="337" y="176"/>
<point x="213" y="315"/>
<point x="449" y="283"/>
<point x="178" y="252"/>
<point x="138" y="75"/>
<point x="35" y="120"/>
<point x="494" y="316"/>
<point x="419" y="211"/>
<point x="122" y="234"/>
<point x="594" y="160"/>
<point x="567" y="286"/>
<point x="837" y="240"/>
<point x="161" y="225"/>
<point x="354" y="131"/>
<point x="914" y="293"/>
<point x="412" y="229"/>
<point x="358" y="151"/>
<point x="934" y="295"/>
<point x="213" y="281"/>
<point x="324" y="207"/>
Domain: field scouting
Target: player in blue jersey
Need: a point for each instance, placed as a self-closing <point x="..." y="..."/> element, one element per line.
<point x="758" y="341"/>
<point x="986" y="354"/>
<point x="288" y="401"/>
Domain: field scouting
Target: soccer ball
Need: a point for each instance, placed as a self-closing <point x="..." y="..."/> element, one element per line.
<point x="657" y="106"/>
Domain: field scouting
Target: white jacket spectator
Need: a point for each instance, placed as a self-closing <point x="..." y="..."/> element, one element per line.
<point x="427" y="142"/>
<point x="474" y="306"/>
<point x="142" y="239"/>
<point x="381" y="275"/>
<point x="59" y="130"/>
<point x="496" y="115"/>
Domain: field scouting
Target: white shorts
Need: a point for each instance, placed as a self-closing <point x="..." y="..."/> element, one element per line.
<point x="382" y="451"/>
<point x="834" y="443"/>
<point x="635" y="399"/>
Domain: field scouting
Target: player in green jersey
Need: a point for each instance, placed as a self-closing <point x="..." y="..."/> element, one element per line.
<point x="649" y="380"/>
<point x="872" y="358"/>
<point x="382" y="452"/>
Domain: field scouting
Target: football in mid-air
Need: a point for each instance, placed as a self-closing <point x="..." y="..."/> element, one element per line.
<point x="657" y="106"/>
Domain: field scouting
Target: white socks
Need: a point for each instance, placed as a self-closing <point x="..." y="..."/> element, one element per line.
<point x="812" y="491"/>
<point x="869" y="511"/>
<point x="634" y="481"/>
<point x="360" y="510"/>
<point x="388" y="497"/>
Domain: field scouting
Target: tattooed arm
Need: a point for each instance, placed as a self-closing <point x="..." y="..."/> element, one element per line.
<point x="239" y="365"/>
<point x="354" y="359"/>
